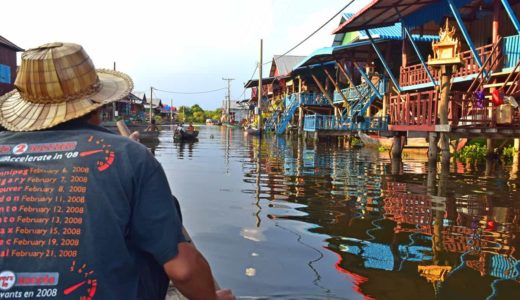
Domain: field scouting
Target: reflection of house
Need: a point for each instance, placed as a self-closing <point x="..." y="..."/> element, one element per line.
<point x="7" y="65"/>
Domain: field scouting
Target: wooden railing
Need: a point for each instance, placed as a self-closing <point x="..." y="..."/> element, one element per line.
<point x="414" y="109"/>
<point x="415" y="74"/>
<point x="420" y="109"/>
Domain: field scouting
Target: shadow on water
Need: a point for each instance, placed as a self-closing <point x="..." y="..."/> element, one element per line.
<point x="292" y="219"/>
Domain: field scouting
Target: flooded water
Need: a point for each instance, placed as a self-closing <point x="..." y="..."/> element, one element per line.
<point x="285" y="219"/>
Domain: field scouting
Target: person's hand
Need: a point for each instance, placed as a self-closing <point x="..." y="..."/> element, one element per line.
<point x="225" y="294"/>
<point x="135" y="136"/>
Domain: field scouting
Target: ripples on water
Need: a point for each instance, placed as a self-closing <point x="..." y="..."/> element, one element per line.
<point x="284" y="219"/>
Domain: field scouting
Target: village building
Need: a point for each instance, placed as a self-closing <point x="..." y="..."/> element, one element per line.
<point x="8" y="64"/>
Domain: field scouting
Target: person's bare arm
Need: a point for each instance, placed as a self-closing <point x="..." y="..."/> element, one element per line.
<point x="191" y="274"/>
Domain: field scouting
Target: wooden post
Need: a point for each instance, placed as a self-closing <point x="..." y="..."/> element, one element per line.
<point x="300" y="120"/>
<point x="397" y="148"/>
<point x="433" y="151"/>
<point x="386" y="100"/>
<point x="336" y="86"/>
<point x="322" y="89"/>
<point x="349" y="79"/>
<point x="260" y="85"/>
<point x="151" y="104"/>
<point x="443" y="111"/>
<point x="404" y="55"/>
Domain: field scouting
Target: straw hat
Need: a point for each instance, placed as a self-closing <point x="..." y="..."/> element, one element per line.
<point x="57" y="82"/>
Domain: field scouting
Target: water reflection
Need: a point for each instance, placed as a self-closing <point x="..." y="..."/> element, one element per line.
<point x="417" y="221"/>
<point x="356" y="224"/>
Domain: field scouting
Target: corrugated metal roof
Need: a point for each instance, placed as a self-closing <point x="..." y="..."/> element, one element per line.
<point x="7" y="43"/>
<point x="285" y="64"/>
<point x="326" y="54"/>
<point x="387" y="12"/>
<point x="395" y="32"/>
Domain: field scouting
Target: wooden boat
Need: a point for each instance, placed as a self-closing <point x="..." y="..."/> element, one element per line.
<point x="148" y="135"/>
<point x="185" y="135"/>
<point x="253" y="131"/>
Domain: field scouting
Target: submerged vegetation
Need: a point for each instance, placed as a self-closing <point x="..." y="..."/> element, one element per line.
<point x="476" y="151"/>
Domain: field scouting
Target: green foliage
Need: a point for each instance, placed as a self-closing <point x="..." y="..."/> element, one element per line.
<point x="508" y="152"/>
<point x="472" y="152"/>
<point x="356" y="142"/>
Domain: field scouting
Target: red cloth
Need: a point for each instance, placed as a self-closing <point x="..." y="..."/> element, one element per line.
<point x="497" y="97"/>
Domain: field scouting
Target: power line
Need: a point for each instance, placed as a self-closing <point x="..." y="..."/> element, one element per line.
<point x="252" y="75"/>
<point x="315" y="31"/>
<point x="190" y="93"/>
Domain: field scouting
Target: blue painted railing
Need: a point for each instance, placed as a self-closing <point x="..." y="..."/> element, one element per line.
<point x="313" y="99"/>
<point x="352" y="93"/>
<point x="314" y="123"/>
<point x="291" y="103"/>
<point x="511" y="51"/>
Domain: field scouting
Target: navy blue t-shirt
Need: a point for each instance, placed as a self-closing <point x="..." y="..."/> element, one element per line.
<point x="83" y="214"/>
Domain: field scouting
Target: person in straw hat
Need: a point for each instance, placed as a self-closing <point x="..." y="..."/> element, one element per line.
<point x="84" y="213"/>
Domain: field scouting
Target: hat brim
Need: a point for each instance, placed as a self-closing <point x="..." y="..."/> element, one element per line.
<point x="19" y="114"/>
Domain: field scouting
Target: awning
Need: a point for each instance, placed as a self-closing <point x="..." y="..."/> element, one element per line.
<point x="380" y="13"/>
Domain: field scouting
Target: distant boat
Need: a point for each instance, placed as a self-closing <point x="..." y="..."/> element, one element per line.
<point x="253" y="131"/>
<point x="212" y="122"/>
<point x="145" y="136"/>
<point x="185" y="135"/>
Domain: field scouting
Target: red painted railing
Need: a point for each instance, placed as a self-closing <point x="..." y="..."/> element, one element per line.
<point x="415" y="74"/>
<point x="413" y="109"/>
<point x="420" y="109"/>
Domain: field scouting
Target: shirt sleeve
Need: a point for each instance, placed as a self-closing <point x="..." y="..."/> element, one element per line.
<point x="156" y="224"/>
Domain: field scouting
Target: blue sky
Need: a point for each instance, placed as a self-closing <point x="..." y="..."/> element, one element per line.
<point x="184" y="46"/>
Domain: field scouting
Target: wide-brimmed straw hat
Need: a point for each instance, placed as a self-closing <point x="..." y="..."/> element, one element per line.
<point x="56" y="83"/>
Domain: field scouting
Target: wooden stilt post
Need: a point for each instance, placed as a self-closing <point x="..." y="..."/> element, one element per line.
<point x="433" y="151"/>
<point x="300" y="120"/>
<point x="443" y="111"/>
<point x="397" y="149"/>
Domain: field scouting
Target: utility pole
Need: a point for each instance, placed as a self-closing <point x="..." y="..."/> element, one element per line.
<point x="171" y="111"/>
<point x="260" y="85"/>
<point x="151" y="109"/>
<point x="228" y="96"/>
<point x="114" y="103"/>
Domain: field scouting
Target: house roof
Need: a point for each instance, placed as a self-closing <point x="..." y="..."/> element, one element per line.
<point x="380" y="13"/>
<point x="327" y="54"/>
<point x="8" y="44"/>
<point x="254" y="82"/>
<point x="285" y="64"/>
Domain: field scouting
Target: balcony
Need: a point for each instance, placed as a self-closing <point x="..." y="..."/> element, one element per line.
<point x="418" y="112"/>
<point x="415" y="74"/>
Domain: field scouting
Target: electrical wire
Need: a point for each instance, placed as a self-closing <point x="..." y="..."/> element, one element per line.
<point x="315" y="31"/>
<point x="252" y="75"/>
<point x="189" y="93"/>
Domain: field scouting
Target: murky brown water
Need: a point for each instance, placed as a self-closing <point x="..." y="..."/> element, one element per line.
<point x="284" y="219"/>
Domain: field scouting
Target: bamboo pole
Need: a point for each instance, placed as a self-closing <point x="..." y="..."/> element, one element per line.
<point x="336" y="86"/>
<point x="322" y="89"/>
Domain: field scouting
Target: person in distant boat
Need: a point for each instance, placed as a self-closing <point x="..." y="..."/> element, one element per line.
<point x="190" y="127"/>
<point x="110" y="227"/>
<point x="153" y="126"/>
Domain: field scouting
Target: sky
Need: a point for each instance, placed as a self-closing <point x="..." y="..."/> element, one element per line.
<point x="177" y="46"/>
